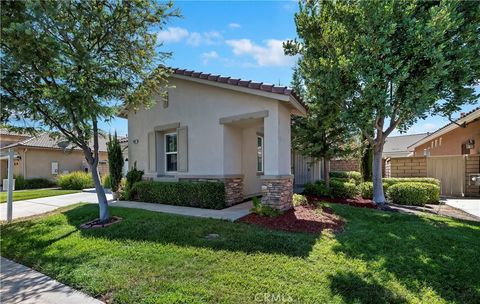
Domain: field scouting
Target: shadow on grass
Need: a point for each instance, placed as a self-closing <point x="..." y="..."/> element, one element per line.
<point x="420" y="252"/>
<point x="141" y="225"/>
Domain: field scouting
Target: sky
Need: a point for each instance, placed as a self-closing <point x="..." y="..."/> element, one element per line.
<point x="239" y="39"/>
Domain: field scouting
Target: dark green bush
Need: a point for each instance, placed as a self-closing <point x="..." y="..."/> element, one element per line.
<point x="194" y="194"/>
<point x="356" y="176"/>
<point x="414" y="193"/>
<point x="387" y="182"/>
<point x="32" y="183"/>
<point x="343" y="189"/>
<point x="318" y="188"/>
<point x="76" y="180"/>
<point x="366" y="189"/>
<point x="263" y="210"/>
<point x="132" y="177"/>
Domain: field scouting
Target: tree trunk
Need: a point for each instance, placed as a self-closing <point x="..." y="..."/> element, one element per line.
<point x="102" y="198"/>
<point x="378" y="195"/>
<point x="326" y="171"/>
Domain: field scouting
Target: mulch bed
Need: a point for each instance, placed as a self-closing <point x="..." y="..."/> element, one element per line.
<point x="309" y="218"/>
<point x="355" y="202"/>
<point x="97" y="224"/>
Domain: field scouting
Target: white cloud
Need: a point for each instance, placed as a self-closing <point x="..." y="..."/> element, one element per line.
<point x="172" y="35"/>
<point x="209" y="56"/>
<point x="234" y="25"/>
<point x="429" y="127"/>
<point x="194" y="39"/>
<point x="269" y="55"/>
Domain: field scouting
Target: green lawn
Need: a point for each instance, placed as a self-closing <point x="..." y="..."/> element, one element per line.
<point x="34" y="193"/>
<point x="151" y="257"/>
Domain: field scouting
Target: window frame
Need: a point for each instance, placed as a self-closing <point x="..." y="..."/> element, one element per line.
<point x="169" y="153"/>
<point x="262" y="145"/>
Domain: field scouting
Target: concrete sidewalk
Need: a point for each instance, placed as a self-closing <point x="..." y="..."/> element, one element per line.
<point x="46" y="204"/>
<point x="232" y="213"/>
<point x="20" y="284"/>
<point x="469" y="205"/>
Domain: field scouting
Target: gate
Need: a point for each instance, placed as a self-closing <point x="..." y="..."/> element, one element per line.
<point x="305" y="169"/>
<point x="450" y="170"/>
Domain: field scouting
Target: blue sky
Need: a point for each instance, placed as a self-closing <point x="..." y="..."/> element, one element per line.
<point x="238" y="39"/>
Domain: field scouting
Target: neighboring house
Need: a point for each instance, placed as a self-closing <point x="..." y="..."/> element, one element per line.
<point x="211" y="127"/>
<point x="397" y="146"/>
<point x="41" y="156"/>
<point x="461" y="137"/>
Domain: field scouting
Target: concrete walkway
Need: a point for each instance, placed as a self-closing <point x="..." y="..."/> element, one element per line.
<point x="232" y="213"/>
<point x="471" y="206"/>
<point x="46" y="204"/>
<point x="20" y="284"/>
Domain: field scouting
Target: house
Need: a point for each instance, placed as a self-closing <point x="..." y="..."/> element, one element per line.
<point x="397" y="146"/>
<point x="210" y="127"/>
<point x="41" y="156"/>
<point x="460" y="137"/>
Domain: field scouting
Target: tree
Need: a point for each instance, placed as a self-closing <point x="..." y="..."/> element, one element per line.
<point x="320" y="135"/>
<point x="115" y="162"/>
<point x="366" y="160"/>
<point x="389" y="64"/>
<point x="68" y="65"/>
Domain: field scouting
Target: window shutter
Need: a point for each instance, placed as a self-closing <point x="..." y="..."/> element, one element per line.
<point x="151" y="152"/>
<point x="182" y="149"/>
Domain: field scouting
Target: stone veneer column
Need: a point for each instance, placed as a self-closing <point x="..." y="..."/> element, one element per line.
<point x="233" y="190"/>
<point x="277" y="191"/>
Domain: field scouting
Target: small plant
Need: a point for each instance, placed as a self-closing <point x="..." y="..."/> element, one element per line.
<point x="106" y="182"/>
<point x="318" y="188"/>
<point x="132" y="177"/>
<point x="299" y="200"/>
<point x="353" y="175"/>
<point x="263" y="210"/>
<point x="76" y="180"/>
<point x="115" y="162"/>
<point x="366" y="189"/>
<point x="343" y="189"/>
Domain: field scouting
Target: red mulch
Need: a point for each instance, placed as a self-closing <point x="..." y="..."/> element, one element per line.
<point x="309" y="218"/>
<point x="355" y="202"/>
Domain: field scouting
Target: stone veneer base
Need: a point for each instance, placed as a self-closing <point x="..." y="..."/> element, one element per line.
<point x="277" y="192"/>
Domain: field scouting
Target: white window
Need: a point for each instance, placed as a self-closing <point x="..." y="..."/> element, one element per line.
<point x="171" y="152"/>
<point x="259" y="154"/>
<point x="54" y="168"/>
<point x="436" y="143"/>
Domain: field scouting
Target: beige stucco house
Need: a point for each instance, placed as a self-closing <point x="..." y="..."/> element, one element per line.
<point x="40" y="156"/>
<point x="211" y="127"/>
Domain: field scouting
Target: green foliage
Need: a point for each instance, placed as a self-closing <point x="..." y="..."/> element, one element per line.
<point x="76" y="180"/>
<point x="299" y="200"/>
<point x="318" y="188"/>
<point x="32" y="183"/>
<point x="414" y="193"/>
<point x="263" y="210"/>
<point x="366" y="189"/>
<point x="115" y="162"/>
<point x="387" y="182"/>
<point x="209" y="195"/>
<point x="106" y="182"/>
<point x="366" y="161"/>
<point x="352" y="175"/>
<point x="132" y="177"/>
<point x="341" y="189"/>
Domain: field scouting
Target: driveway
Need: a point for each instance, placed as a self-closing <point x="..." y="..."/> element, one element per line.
<point x="47" y="204"/>
<point x="471" y="206"/>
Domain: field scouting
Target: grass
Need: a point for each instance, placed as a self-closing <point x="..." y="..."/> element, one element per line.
<point x="34" y="193"/>
<point x="379" y="257"/>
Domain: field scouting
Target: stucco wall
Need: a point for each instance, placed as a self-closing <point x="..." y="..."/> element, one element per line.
<point x="452" y="141"/>
<point x="252" y="182"/>
<point x="200" y="107"/>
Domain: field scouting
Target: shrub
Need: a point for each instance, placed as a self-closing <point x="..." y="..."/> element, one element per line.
<point x="318" y="188"/>
<point x="194" y="194"/>
<point x="32" y="183"/>
<point x="263" y="210"/>
<point x="366" y="189"/>
<point x="106" y="182"/>
<point x="343" y="180"/>
<point x="115" y="162"/>
<point x="343" y="189"/>
<point x="77" y="180"/>
<point x="132" y="177"/>
<point x="356" y="176"/>
<point x="387" y="182"/>
<point x="414" y="193"/>
<point x="299" y="200"/>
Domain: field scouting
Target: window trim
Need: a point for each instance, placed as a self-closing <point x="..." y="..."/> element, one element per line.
<point x="262" y="145"/>
<point x="168" y="153"/>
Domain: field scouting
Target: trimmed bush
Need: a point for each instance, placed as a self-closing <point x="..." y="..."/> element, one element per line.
<point x="263" y="210"/>
<point x="343" y="180"/>
<point x="356" y="176"/>
<point x="77" y="180"/>
<point x="343" y="189"/>
<point x="387" y="182"/>
<point x="299" y="200"/>
<point x="414" y="193"/>
<point x="209" y="195"/>
<point x="366" y="189"/>
<point x="106" y="182"/>
<point x="131" y="178"/>
<point x="318" y="188"/>
<point x="32" y="183"/>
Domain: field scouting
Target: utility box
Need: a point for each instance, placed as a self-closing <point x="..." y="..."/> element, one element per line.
<point x="474" y="179"/>
<point x="5" y="184"/>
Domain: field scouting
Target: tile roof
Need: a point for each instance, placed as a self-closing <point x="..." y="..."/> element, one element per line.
<point x="5" y="131"/>
<point x="270" y="88"/>
<point x="399" y="144"/>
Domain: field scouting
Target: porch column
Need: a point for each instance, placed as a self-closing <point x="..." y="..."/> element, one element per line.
<point x="277" y="181"/>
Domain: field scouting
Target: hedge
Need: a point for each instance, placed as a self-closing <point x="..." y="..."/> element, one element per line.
<point x="76" y="180"/>
<point x="366" y="189"/>
<point x="387" y="182"/>
<point x="318" y="188"/>
<point x="343" y="189"/>
<point x="356" y="176"/>
<point x="32" y="183"/>
<point x="209" y="195"/>
<point x="414" y="193"/>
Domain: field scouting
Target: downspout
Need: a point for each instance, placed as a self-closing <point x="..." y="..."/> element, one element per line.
<point x="25" y="163"/>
